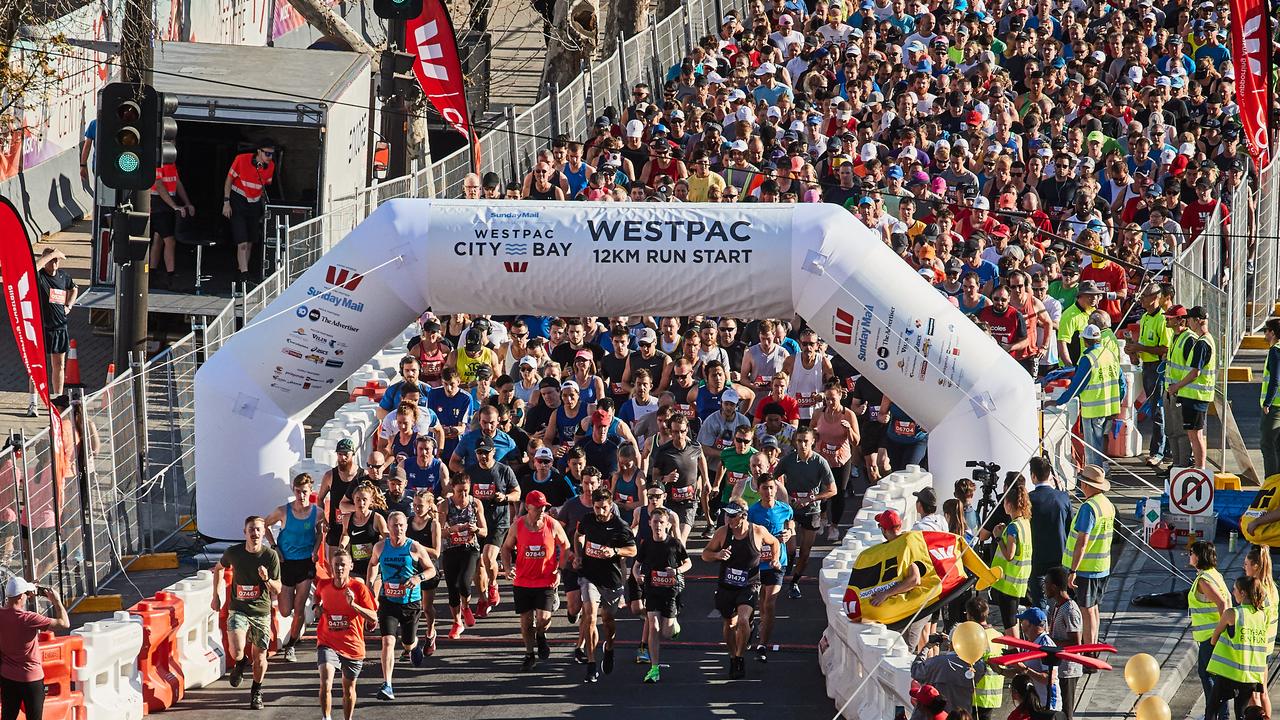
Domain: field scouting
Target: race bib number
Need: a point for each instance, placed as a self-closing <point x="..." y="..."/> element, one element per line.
<point x="338" y="623"/>
<point x="617" y="388"/>
<point x="766" y="553"/>
<point x="392" y="590"/>
<point x="663" y="578"/>
<point x="763" y="380"/>
<point x="682" y="494"/>
<point x="459" y="537"/>
<point x="686" y="410"/>
<point x="361" y="552"/>
<point x="873" y="413"/>
<point x="248" y="592"/>
<point x="484" y="491"/>
<point x="535" y="552"/>
<point x="830" y="447"/>
<point x="595" y="550"/>
<point x="807" y="400"/>
<point x="799" y="496"/>
<point x="737" y="577"/>
<point x="904" y="427"/>
<point x="735" y="477"/>
<point x="725" y="443"/>
<point x="57" y="296"/>
<point x="625" y="498"/>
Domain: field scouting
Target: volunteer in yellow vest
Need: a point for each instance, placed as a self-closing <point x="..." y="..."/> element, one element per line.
<point x="1192" y="364"/>
<point x="169" y="202"/>
<point x="1177" y="447"/>
<point x="1257" y="565"/>
<point x="1207" y="600"/>
<point x="988" y="690"/>
<point x="1150" y="348"/>
<point x="1100" y="385"/>
<point x="1269" y="426"/>
<point x="1088" y="553"/>
<point x="1239" y="662"/>
<point x="1013" y="556"/>
<point x="1073" y="321"/>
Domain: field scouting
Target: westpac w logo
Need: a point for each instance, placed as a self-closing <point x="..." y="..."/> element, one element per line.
<point x="343" y="277"/>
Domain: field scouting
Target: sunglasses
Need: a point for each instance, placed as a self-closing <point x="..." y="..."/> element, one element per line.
<point x="741" y="441"/>
<point x="682" y="377"/>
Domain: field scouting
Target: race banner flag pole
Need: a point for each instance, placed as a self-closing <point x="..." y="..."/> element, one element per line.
<point x="438" y="67"/>
<point x="1250" y="53"/>
<point x="22" y="298"/>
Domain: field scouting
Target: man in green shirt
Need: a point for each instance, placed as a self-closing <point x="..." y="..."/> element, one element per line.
<point x="1064" y="289"/>
<point x="1074" y="319"/>
<point x="255" y="579"/>
<point x="735" y="465"/>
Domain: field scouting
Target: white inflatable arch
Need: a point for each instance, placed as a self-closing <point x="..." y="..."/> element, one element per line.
<point x="755" y="261"/>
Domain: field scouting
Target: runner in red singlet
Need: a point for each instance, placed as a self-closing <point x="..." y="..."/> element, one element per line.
<point x="538" y="543"/>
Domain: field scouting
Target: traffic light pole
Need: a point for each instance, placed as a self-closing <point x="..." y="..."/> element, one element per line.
<point x="131" y="278"/>
<point x="395" y="111"/>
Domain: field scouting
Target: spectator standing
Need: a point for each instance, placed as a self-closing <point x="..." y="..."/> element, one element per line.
<point x="58" y="293"/>
<point x="244" y="199"/>
<point x="21" y="668"/>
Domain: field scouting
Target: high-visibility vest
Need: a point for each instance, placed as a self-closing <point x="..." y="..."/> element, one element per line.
<point x="1097" y="554"/>
<point x="1242" y="655"/>
<point x="1202" y="387"/>
<point x="1266" y="382"/>
<point x="1175" y="366"/>
<point x="1017" y="570"/>
<point x="1153" y="331"/>
<point x="1272" y="613"/>
<point x="1204" y="613"/>
<point x="988" y="692"/>
<point x="1073" y="320"/>
<point x="1101" y="394"/>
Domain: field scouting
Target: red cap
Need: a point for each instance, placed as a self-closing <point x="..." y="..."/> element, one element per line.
<point x="584" y="353"/>
<point x="925" y="694"/>
<point x="599" y="417"/>
<point x="1179" y="165"/>
<point x="975" y="118"/>
<point x="889" y="520"/>
<point x="535" y="498"/>
<point x="1176" y="311"/>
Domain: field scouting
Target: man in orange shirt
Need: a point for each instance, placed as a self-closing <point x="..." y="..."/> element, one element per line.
<point x="346" y="606"/>
<point x="244" y="199"/>
<point x="1108" y="275"/>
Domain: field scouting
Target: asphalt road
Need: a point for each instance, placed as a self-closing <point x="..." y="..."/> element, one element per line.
<point x="478" y="676"/>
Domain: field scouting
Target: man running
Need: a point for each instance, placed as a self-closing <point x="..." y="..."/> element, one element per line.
<point x="808" y="481"/>
<point x="601" y="542"/>
<point x="660" y="567"/>
<point x="346" y="604"/>
<point x="569" y="515"/>
<point x="255" y="577"/>
<point x="335" y="487"/>
<point x="778" y="518"/>
<point x="494" y="484"/>
<point x="680" y="466"/>
<point x="738" y="548"/>
<point x="537" y="543"/>
<point x="299" y="544"/>
<point x="398" y="567"/>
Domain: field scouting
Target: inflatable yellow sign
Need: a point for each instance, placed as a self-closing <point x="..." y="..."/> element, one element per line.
<point x="1267" y="499"/>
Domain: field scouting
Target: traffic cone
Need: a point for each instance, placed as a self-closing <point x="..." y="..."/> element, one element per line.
<point x="111" y="372"/>
<point x="73" y="368"/>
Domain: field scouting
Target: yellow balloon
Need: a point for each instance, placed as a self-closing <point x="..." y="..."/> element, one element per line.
<point x="1142" y="672"/>
<point x="969" y="641"/>
<point x="1153" y="708"/>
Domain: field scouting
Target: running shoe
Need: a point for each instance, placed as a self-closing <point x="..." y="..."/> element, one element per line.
<point x="255" y="700"/>
<point x="31" y="409"/>
<point x="762" y="654"/>
<point x="833" y="533"/>
<point x="580" y="656"/>
<point x="290" y="655"/>
<point x="455" y="632"/>
<point x="494" y="597"/>
<point x="418" y="655"/>
<point x="733" y="668"/>
<point x="793" y="591"/>
<point x="593" y="674"/>
<point x="739" y="668"/>
<point x="237" y="672"/>
<point x="642" y="657"/>
<point x="572" y="617"/>
<point x="482" y="608"/>
<point x="431" y="646"/>
<point x="530" y="662"/>
<point x="675" y="629"/>
<point x="654" y="675"/>
<point x="608" y="661"/>
<point x="406" y="655"/>
<point x="544" y="650"/>
<point x="468" y="617"/>
<point x="386" y="693"/>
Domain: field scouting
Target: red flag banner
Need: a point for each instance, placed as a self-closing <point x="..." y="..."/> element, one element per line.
<point x="430" y="39"/>
<point x="21" y="296"/>
<point x="1250" y="50"/>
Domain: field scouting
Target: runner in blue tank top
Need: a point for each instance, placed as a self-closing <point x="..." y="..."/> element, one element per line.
<point x="779" y="519"/>
<point x="299" y="544"/>
<point x="397" y="569"/>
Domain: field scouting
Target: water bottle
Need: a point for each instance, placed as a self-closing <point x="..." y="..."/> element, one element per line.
<point x="1231" y="541"/>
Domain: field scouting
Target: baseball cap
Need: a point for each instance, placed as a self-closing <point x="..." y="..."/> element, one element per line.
<point x="535" y="498"/>
<point x="599" y="417"/>
<point x="345" y="446"/>
<point x="569" y="385"/>
<point x="785" y="20"/>
<point x="1033" y="615"/>
<point x="889" y="520"/>
<point x="603" y="122"/>
<point x="472" y="342"/>
<point x="767" y="68"/>
<point x="1176" y="311"/>
<point x="926" y="495"/>
<point x="543" y="453"/>
<point x="17" y="586"/>
<point x="769" y="442"/>
<point x="730" y="396"/>
<point x="895" y="172"/>
<point x="484" y="444"/>
<point x="925" y="694"/>
<point x="584" y="353"/>
<point x="1198" y="313"/>
<point x="981" y="203"/>
<point x="635" y="128"/>
<point x="732" y="510"/>
<point x="528" y="361"/>
<point x="1091" y="332"/>
<point x="647" y="336"/>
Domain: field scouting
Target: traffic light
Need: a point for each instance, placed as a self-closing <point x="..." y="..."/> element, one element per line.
<point x="166" y="129"/>
<point x="397" y="9"/>
<point x="129" y="135"/>
<point x="129" y="238"/>
<point x="397" y="78"/>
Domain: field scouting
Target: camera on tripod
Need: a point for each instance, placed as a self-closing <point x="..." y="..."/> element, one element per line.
<point x="985" y="475"/>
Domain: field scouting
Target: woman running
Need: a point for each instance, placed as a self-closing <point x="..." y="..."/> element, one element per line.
<point x="837" y="429"/>
<point x="628" y="480"/>
<point x="424" y="529"/>
<point x="567" y="418"/>
<point x="363" y="527"/>
<point x="403" y="444"/>
<point x="463" y="525"/>
<point x="590" y="384"/>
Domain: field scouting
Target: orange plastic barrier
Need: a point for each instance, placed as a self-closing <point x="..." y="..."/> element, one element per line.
<point x="60" y="656"/>
<point x="162" y="682"/>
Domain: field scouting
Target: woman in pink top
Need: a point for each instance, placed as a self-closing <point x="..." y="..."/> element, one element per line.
<point x="837" y="429"/>
<point x="21" y="671"/>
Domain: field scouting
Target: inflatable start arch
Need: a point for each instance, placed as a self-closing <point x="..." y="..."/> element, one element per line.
<point x="507" y="258"/>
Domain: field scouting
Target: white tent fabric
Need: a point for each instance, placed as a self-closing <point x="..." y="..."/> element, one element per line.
<point x="812" y="260"/>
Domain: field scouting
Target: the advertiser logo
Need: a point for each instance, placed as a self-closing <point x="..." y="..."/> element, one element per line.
<point x="338" y="276"/>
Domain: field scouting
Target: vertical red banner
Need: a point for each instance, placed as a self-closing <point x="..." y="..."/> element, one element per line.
<point x="1250" y="52"/>
<point x="22" y="297"/>
<point x="430" y="39"/>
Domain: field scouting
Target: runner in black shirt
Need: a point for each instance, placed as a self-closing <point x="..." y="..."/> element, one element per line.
<point x="494" y="484"/>
<point x="680" y="466"/>
<point x="736" y="546"/>
<point x="660" y="567"/>
<point x="601" y="542"/>
<point x="545" y="478"/>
